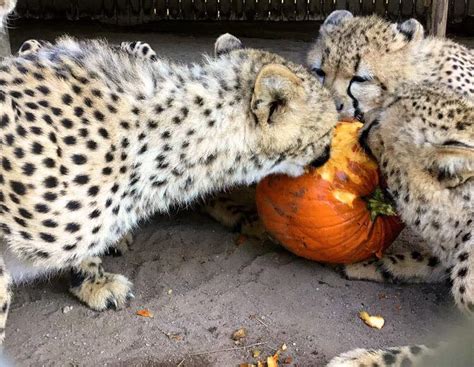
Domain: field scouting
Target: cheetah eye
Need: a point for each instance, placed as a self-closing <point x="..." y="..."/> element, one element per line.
<point x="359" y="79"/>
<point x="456" y="144"/>
<point x="319" y="73"/>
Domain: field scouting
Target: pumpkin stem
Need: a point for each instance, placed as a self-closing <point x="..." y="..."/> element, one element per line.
<point x="380" y="204"/>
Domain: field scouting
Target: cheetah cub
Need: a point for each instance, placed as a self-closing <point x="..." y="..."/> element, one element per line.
<point x="366" y="60"/>
<point x="423" y="138"/>
<point x="416" y="95"/>
<point x="94" y="140"/>
<point x="363" y="60"/>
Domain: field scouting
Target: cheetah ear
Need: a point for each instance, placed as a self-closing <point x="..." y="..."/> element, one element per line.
<point x="411" y="29"/>
<point x="275" y="87"/>
<point x="453" y="162"/>
<point x="335" y="19"/>
<point x="227" y="43"/>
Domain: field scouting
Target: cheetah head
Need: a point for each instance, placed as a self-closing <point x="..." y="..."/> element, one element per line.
<point x="363" y="59"/>
<point x="293" y="118"/>
<point x="427" y="133"/>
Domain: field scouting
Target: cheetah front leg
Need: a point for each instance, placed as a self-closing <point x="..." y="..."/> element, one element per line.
<point x="98" y="289"/>
<point x="404" y="267"/>
<point x="237" y="210"/>
<point x="462" y="278"/>
<point x="5" y="298"/>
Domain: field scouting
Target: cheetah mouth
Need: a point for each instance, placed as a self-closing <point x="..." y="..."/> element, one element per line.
<point x="359" y="115"/>
<point x="322" y="159"/>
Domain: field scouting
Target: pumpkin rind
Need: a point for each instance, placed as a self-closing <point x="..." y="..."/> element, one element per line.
<point x="323" y="215"/>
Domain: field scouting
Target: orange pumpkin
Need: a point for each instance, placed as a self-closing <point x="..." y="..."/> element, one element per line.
<point x="336" y="213"/>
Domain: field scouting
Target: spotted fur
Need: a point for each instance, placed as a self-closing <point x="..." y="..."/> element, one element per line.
<point x="82" y="289"/>
<point x="94" y="140"/>
<point x="415" y="93"/>
<point x="423" y="138"/>
<point x="362" y="60"/>
<point x="366" y="61"/>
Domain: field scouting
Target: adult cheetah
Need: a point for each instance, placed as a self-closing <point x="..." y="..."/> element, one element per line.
<point x="93" y="140"/>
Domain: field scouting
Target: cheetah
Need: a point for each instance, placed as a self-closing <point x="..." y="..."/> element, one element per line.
<point x="362" y="60"/>
<point x="93" y="140"/>
<point x="428" y="163"/>
<point x="416" y="97"/>
<point x="366" y="60"/>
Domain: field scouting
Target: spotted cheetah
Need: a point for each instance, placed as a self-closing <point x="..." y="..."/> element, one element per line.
<point x="416" y="96"/>
<point x="94" y="140"/>
<point x="364" y="61"/>
<point x="423" y="138"/>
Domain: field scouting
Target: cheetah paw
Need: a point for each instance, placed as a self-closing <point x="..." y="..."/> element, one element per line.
<point x="97" y="289"/>
<point x="366" y="270"/>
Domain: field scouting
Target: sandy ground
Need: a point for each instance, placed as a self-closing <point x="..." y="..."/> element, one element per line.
<point x="201" y="286"/>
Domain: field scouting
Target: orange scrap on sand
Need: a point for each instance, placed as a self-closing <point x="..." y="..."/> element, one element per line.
<point x="337" y="213"/>
<point x="144" y="313"/>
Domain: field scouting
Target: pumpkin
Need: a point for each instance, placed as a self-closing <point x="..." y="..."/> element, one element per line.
<point x="336" y="213"/>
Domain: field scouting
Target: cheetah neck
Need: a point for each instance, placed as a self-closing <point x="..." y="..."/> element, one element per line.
<point x="199" y="136"/>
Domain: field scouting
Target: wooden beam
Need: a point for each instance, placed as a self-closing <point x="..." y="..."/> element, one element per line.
<point x="438" y="19"/>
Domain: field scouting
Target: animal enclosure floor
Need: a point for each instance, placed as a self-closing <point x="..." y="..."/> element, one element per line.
<point x="201" y="285"/>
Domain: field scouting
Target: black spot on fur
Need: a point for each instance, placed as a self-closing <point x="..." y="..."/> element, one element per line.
<point x="73" y="205"/>
<point x="389" y="358"/>
<point x="18" y="187"/>
<point x="79" y="159"/>
<point x="81" y="179"/>
<point x="72" y="227"/>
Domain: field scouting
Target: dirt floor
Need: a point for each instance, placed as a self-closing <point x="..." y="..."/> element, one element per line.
<point x="201" y="286"/>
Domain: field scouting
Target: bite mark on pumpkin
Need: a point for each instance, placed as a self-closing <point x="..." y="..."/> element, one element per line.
<point x="343" y="142"/>
<point x="344" y="197"/>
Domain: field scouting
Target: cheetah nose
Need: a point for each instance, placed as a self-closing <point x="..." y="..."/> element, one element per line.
<point x="339" y="107"/>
